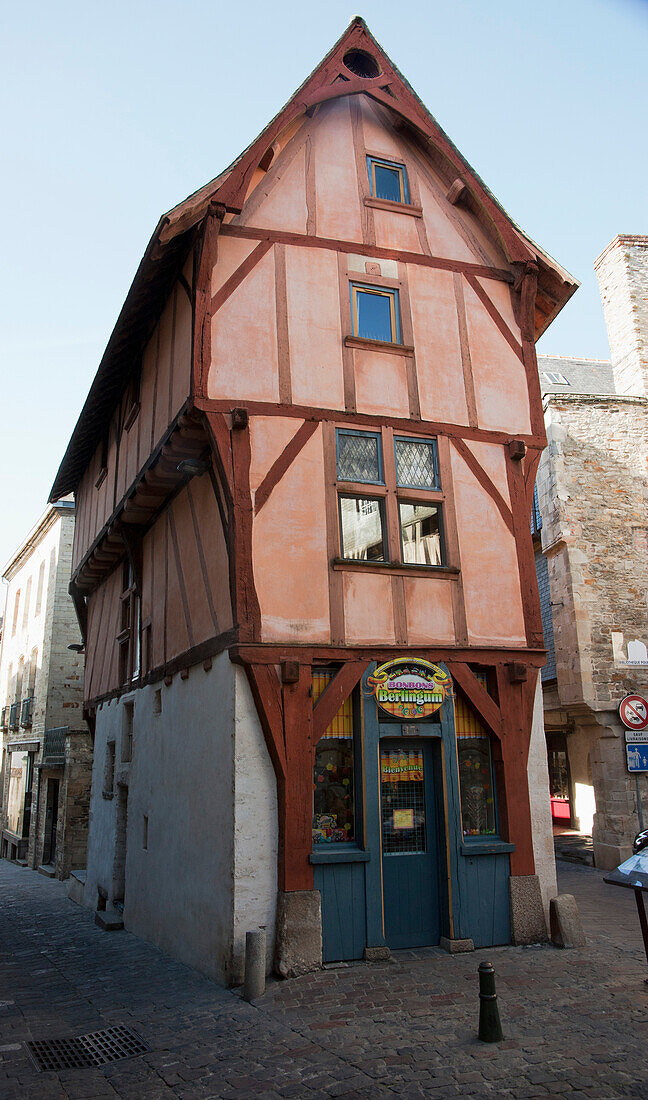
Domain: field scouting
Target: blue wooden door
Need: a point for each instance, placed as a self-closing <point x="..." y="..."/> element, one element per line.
<point x="410" y="858"/>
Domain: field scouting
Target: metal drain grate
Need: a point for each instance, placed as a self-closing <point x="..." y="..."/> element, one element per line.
<point x="94" y="1049"/>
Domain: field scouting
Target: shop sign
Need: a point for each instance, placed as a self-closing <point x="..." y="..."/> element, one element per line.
<point x="409" y="689"/>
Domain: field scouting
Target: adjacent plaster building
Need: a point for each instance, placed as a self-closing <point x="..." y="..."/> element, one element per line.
<point x="303" y="478"/>
<point x="47" y="755"/>
<point x="591" y="527"/>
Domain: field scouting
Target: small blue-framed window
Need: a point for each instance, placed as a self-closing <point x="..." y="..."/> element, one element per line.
<point x="359" y="456"/>
<point x="375" y="313"/>
<point x="388" y="180"/>
<point x="417" y="463"/>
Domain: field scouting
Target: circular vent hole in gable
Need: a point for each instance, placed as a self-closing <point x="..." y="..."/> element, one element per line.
<point x="361" y="63"/>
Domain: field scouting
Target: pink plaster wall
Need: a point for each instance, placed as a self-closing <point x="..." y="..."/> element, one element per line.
<point x="285" y="207"/>
<point x="337" y="203"/>
<point x="289" y="553"/>
<point x="268" y="437"/>
<point x="244" y="340"/>
<point x="488" y="564"/>
<point x="368" y="609"/>
<point x="429" y="610"/>
<point x="314" y="327"/>
<point x="500" y="381"/>
<point x="381" y="383"/>
<point x="438" y="351"/>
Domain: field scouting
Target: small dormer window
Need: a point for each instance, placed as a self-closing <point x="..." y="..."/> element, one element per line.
<point x="555" y="378"/>
<point x="388" y="180"/>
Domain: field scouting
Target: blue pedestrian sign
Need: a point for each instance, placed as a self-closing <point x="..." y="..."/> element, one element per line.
<point x="637" y="756"/>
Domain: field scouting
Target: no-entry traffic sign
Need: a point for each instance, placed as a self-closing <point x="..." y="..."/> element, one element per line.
<point x="633" y="711"/>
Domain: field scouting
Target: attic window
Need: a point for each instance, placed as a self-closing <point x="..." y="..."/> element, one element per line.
<point x="555" y="378"/>
<point x="361" y="63"/>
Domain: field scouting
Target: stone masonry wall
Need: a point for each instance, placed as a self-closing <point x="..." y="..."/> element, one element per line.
<point x="593" y="491"/>
<point x="622" y="271"/>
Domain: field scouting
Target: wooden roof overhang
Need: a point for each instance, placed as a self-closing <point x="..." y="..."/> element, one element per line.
<point x="156" y="484"/>
<point x="177" y="230"/>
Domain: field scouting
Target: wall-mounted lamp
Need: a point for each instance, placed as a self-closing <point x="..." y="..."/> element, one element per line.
<point x="77" y="647"/>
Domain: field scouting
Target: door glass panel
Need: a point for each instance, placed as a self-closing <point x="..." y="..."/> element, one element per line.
<point x="402" y="789"/>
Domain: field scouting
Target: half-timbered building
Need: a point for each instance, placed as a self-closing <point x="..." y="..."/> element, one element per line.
<point x="303" y="560"/>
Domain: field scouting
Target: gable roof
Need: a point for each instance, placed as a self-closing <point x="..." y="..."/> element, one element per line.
<point x="583" y="376"/>
<point x="355" y="65"/>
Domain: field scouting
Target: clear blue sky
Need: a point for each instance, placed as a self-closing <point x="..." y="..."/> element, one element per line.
<point x="114" y="112"/>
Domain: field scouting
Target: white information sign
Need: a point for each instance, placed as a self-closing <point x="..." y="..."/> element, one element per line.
<point x="634" y="736"/>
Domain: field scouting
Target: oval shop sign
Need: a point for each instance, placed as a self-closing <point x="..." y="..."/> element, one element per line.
<point x="409" y="689"/>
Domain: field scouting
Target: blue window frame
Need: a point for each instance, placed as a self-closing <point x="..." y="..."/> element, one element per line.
<point x="359" y="456"/>
<point x="388" y="180"/>
<point x="375" y="313"/>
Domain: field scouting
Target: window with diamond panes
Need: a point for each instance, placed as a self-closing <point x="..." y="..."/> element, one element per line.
<point x="416" y="463"/>
<point x="359" y="457"/>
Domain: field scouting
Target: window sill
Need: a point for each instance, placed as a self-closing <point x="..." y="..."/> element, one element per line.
<point x="108" y="795"/>
<point x="340" y="854"/>
<point x="478" y="847"/>
<point x="378" y="345"/>
<point x="397" y="207"/>
<point x="397" y="568"/>
<point x="103" y="474"/>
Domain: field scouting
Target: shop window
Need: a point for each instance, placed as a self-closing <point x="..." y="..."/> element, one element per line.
<point x="387" y="180"/>
<point x="476" y="777"/>
<point x="365" y="520"/>
<point x="334" y="773"/>
<point x="362" y="529"/>
<point x="375" y="313"/>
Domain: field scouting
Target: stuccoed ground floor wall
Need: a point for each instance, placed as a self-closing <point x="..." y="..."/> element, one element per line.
<point x="541" y="825"/>
<point x="186" y="829"/>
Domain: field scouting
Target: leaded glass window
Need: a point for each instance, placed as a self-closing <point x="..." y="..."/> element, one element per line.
<point x="359" y="457"/>
<point x="416" y="463"/>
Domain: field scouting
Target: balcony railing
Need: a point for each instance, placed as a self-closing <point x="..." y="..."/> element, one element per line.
<point x="14" y="715"/>
<point x="27" y="711"/>
<point x="54" y="749"/>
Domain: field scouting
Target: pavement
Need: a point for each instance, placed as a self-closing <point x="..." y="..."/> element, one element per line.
<point x="575" y="1021"/>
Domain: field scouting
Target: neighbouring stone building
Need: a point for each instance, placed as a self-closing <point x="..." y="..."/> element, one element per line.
<point x="47" y="752"/>
<point x="591" y="527"/>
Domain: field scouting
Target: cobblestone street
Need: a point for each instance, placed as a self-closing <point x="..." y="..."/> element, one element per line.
<point x="574" y="1022"/>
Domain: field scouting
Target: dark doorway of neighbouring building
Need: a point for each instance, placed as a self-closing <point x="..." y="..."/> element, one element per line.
<point x="51" y="822"/>
<point x="119" y="865"/>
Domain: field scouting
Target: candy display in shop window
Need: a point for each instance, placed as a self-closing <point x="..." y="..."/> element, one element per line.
<point x="333" y="791"/>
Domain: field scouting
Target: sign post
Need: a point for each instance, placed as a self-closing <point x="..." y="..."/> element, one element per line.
<point x="633" y="712"/>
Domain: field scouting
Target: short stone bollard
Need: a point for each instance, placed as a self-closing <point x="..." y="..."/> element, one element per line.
<point x="490" y="1028"/>
<point x="255" y="965"/>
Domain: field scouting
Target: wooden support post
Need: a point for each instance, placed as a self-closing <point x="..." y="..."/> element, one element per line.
<point x="295" y="871"/>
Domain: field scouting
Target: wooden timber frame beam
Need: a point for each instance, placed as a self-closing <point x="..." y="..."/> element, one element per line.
<point x="292" y="727"/>
<point x="205" y="260"/>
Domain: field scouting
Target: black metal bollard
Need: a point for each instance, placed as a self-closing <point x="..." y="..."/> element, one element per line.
<point x="490" y="1028"/>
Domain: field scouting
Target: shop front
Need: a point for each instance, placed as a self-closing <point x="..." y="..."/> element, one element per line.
<point x="406" y="845"/>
